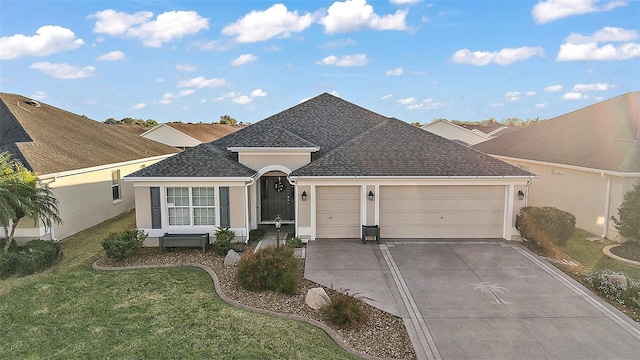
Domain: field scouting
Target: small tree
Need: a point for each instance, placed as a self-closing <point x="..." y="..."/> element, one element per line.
<point x="228" y="120"/>
<point x="628" y="220"/>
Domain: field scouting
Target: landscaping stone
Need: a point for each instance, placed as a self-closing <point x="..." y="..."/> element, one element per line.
<point x="618" y="279"/>
<point x="316" y="298"/>
<point x="232" y="258"/>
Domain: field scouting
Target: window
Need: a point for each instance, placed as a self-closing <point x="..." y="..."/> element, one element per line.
<point x="191" y="206"/>
<point x="115" y="185"/>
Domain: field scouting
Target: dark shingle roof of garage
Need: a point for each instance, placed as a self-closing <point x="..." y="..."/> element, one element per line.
<point x="49" y="140"/>
<point x="602" y="136"/>
<point x="352" y="141"/>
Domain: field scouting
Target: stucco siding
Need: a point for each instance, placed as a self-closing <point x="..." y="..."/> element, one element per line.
<point x="237" y="203"/>
<point x="258" y="161"/>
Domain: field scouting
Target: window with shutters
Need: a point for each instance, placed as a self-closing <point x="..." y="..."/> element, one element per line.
<point x="190" y="206"/>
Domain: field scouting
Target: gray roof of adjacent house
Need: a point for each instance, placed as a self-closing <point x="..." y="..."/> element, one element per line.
<point x="352" y="141"/>
<point x="602" y="136"/>
<point x="49" y="140"/>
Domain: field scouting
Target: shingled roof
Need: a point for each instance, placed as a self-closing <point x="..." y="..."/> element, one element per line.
<point x="352" y="141"/>
<point x="50" y="140"/>
<point x="204" y="132"/>
<point x="602" y="136"/>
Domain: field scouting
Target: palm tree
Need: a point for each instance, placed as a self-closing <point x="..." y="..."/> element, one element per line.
<point x="22" y="196"/>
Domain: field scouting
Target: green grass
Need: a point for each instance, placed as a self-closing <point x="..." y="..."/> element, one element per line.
<point x="589" y="254"/>
<point x="72" y="311"/>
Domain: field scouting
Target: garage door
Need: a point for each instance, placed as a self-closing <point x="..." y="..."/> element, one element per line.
<point x="338" y="212"/>
<point x="441" y="211"/>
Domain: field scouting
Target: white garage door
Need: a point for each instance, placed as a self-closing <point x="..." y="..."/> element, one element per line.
<point x="338" y="212"/>
<point x="441" y="211"/>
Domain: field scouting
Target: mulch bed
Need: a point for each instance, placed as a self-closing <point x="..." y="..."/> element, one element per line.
<point x="383" y="336"/>
<point x="629" y="250"/>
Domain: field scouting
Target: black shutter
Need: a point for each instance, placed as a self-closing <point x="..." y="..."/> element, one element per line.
<point x="225" y="220"/>
<point x="156" y="212"/>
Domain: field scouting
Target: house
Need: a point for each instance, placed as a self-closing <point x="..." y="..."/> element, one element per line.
<point x="81" y="160"/>
<point x="328" y="167"/>
<point x="586" y="160"/>
<point x="184" y="136"/>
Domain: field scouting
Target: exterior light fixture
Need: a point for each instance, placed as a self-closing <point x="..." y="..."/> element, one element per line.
<point x="304" y="196"/>
<point x="520" y="195"/>
<point x="278" y="221"/>
<point x="370" y="195"/>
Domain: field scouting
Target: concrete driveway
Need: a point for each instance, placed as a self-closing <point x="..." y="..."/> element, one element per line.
<point x="477" y="299"/>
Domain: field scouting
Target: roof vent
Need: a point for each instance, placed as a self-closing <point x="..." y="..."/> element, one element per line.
<point x="33" y="103"/>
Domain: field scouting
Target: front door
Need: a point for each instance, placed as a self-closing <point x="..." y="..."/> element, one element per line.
<point x="276" y="198"/>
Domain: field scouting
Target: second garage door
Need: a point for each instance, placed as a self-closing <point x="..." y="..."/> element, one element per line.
<point x="441" y="211"/>
<point x="338" y="212"/>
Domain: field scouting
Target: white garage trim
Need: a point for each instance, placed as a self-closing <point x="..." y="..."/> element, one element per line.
<point x="338" y="211"/>
<point x="444" y="211"/>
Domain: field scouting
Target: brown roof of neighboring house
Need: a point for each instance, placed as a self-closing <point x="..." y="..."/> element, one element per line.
<point x="603" y="136"/>
<point x="50" y="140"/>
<point x="484" y="128"/>
<point x="132" y="128"/>
<point x="205" y="132"/>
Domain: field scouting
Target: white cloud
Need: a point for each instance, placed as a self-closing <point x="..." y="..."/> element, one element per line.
<point x="166" y="27"/>
<point x="354" y="15"/>
<point x="39" y="95"/>
<point x="550" y="10"/>
<point x="429" y="104"/>
<point x="530" y="93"/>
<point x="201" y="82"/>
<point x="242" y="99"/>
<point x="505" y="56"/>
<point x="264" y="25"/>
<point x="591" y="87"/>
<point x="258" y="93"/>
<point x="48" y="40"/>
<point x="387" y="97"/>
<point x="345" y="60"/>
<point x="394" y="72"/>
<point x="542" y="105"/>
<point x="404" y="2"/>
<point x="186" y="67"/>
<point x="244" y="59"/>
<point x="139" y="106"/>
<point x="579" y="47"/>
<point x="330" y="45"/>
<point x="407" y="101"/>
<point x="512" y="96"/>
<point x="159" y="80"/>
<point x="553" y="88"/>
<point x="167" y="98"/>
<point x="112" y="56"/>
<point x="574" y="96"/>
<point x="496" y="105"/>
<point x="64" y="70"/>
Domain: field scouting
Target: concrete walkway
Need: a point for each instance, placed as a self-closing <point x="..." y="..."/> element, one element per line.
<point x="477" y="299"/>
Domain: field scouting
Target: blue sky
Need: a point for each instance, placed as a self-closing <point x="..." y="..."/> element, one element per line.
<point x="193" y="61"/>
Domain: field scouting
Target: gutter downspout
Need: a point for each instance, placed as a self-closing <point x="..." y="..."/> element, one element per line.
<point x="607" y="204"/>
<point x="246" y="208"/>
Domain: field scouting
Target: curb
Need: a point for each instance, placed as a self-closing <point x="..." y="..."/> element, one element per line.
<point x="607" y="251"/>
<point x="216" y="284"/>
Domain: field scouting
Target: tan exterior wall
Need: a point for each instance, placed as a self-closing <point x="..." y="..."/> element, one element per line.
<point x="258" y="161"/>
<point x="237" y="206"/>
<point x="582" y="193"/>
<point x="370" y="211"/>
<point x="304" y="207"/>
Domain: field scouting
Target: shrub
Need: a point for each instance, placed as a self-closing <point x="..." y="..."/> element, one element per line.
<point x="222" y="244"/>
<point x="628" y="221"/>
<point x="122" y="244"/>
<point x="602" y="283"/>
<point x="345" y="311"/>
<point x="12" y="248"/>
<point x="294" y="242"/>
<point x="256" y="235"/>
<point x="542" y="224"/>
<point x="269" y="269"/>
<point x="36" y="256"/>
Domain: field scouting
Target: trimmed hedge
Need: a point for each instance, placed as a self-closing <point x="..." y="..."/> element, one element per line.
<point x="122" y="244"/>
<point x="269" y="269"/>
<point x="543" y="224"/>
<point x="35" y="256"/>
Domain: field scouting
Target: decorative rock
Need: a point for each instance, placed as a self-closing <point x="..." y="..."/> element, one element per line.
<point x="232" y="258"/>
<point x="316" y="298"/>
<point x="619" y="279"/>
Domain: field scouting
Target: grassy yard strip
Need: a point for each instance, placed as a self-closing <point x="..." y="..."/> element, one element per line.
<point x="72" y="311"/>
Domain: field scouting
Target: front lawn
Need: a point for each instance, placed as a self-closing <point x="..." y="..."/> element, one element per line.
<point x="72" y="311"/>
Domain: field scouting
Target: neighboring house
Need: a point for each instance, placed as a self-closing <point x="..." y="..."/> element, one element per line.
<point x="81" y="160"/>
<point x="586" y="160"/>
<point x="457" y="133"/>
<point x="328" y="167"/>
<point x="493" y="129"/>
<point x="184" y="136"/>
